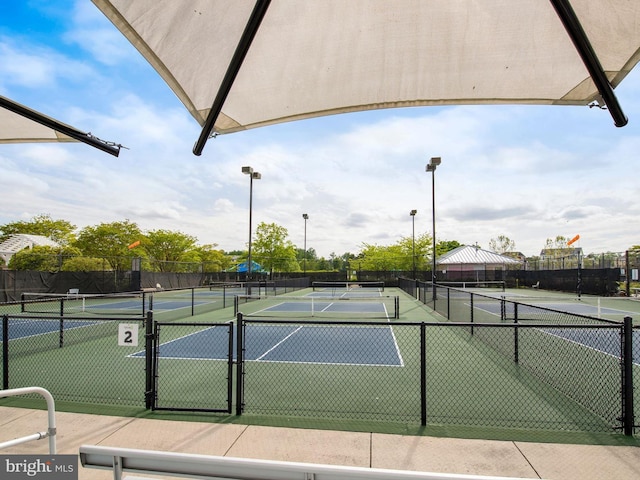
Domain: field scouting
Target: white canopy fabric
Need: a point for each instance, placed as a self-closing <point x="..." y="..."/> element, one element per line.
<point x="319" y="57"/>
<point x="21" y="124"/>
<point x="19" y="129"/>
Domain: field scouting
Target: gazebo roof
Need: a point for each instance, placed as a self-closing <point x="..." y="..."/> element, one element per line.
<point x="469" y="254"/>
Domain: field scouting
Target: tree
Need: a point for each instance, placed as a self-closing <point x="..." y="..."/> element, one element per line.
<point x="379" y="258"/>
<point x="560" y="242"/>
<point x="43" y="258"/>
<point x="60" y="231"/>
<point x="558" y="254"/>
<point x="502" y="244"/>
<point x="213" y="260"/>
<point x="273" y="250"/>
<point x="166" y="248"/>
<point x="110" y="241"/>
<point x="445" y="246"/>
<point x="38" y="258"/>
<point x="310" y="257"/>
<point x="85" y="264"/>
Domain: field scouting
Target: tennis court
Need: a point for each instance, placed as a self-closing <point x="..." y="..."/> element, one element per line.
<point x="343" y="307"/>
<point x="358" y="363"/>
<point x="292" y="344"/>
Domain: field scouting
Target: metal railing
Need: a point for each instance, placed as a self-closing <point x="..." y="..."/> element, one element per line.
<point x="51" y="412"/>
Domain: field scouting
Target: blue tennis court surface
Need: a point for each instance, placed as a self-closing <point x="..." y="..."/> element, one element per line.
<point x="606" y="340"/>
<point x="319" y="306"/>
<point x="23" y="328"/>
<point x="575" y="307"/>
<point x="365" y="345"/>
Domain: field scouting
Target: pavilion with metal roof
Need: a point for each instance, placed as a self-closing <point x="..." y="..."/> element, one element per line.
<point x="20" y="241"/>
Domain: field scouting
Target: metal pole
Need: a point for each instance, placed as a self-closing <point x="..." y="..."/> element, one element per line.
<point x="431" y="167"/>
<point x="250" y="213"/>
<point x="413" y="239"/>
<point x="433" y="213"/>
<point x="306" y="217"/>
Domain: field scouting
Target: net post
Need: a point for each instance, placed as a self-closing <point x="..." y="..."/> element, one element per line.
<point x="628" y="419"/>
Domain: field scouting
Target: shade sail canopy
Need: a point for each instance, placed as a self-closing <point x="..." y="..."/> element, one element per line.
<point x="244" y="64"/>
<point x="21" y="124"/>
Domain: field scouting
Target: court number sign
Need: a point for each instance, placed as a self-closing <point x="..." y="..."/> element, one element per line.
<point x="128" y="335"/>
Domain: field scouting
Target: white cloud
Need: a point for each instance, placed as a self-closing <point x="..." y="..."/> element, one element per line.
<point x="530" y="173"/>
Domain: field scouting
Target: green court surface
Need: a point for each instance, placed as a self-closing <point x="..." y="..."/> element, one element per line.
<point x="472" y="389"/>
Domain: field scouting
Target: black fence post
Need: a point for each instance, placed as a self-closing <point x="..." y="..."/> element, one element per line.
<point x="61" y="326"/>
<point x="230" y="370"/>
<point x="5" y="352"/>
<point x="516" y="348"/>
<point x="448" y="304"/>
<point x="628" y="419"/>
<point x="471" y="312"/>
<point x="240" y="365"/>
<point x="149" y="352"/>
<point x="423" y="374"/>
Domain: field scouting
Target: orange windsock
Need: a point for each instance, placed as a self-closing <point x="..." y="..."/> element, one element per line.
<point x="134" y="244"/>
<point x="573" y="240"/>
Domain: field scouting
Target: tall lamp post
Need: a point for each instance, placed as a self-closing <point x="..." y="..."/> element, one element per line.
<point x="306" y="217"/>
<point x="413" y="239"/>
<point x="431" y="167"/>
<point x="252" y="175"/>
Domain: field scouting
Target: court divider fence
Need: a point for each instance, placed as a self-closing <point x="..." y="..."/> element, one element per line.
<point x="476" y="371"/>
<point x="594" y="361"/>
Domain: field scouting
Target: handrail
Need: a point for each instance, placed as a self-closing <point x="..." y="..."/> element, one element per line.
<point x="51" y="431"/>
<point x="210" y="467"/>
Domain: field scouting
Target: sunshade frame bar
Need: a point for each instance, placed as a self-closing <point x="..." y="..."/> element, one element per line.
<point x="590" y="59"/>
<point x="67" y="130"/>
<point x="249" y="33"/>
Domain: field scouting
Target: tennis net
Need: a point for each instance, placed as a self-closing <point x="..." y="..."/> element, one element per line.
<point x="497" y="285"/>
<point x="338" y="308"/>
<point x="127" y="304"/>
<point x="320" y="286"/>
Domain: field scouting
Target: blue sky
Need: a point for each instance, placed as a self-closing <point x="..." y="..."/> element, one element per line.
<point x="528" y="172"/>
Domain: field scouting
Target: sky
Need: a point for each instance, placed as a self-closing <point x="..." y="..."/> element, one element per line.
<point x="529" y="173"/>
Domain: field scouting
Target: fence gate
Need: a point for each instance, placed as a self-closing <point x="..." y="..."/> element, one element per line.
<point x="193" y="366"/>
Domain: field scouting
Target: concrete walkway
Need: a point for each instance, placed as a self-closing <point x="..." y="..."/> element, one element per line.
<point x="420" y="453"/>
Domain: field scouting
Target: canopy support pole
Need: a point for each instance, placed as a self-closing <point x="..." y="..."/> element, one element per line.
<point x="67" y="130"/>
<point x="249" y="33"/>
<point x="585" y="50"/>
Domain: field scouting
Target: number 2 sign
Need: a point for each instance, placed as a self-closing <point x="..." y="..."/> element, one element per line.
<point x="128" y="335"/>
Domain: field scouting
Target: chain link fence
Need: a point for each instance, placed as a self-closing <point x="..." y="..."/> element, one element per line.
<point x="492" y="363"/>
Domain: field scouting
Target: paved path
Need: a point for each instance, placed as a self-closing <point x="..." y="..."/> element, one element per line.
<point x="421" y="453"/>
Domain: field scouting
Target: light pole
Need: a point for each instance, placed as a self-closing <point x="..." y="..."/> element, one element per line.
<point x="431" y="167"/>
<point x="249" y="171"/>
<point x="413" y="239"/>
<point x="306" y="217"/>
